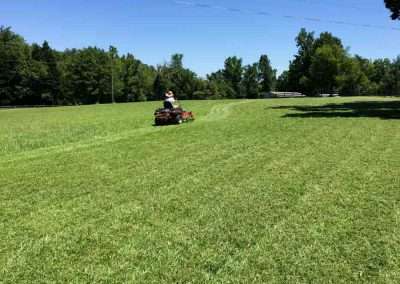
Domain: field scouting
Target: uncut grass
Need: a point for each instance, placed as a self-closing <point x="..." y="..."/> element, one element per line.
<point x="251" y="197"/>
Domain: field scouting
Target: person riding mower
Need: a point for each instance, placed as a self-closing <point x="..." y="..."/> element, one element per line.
<point x="169" y="101"/>
<point x="172" y="113"/>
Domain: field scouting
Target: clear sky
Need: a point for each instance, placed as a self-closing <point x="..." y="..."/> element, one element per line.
<point x="154" y="29"/>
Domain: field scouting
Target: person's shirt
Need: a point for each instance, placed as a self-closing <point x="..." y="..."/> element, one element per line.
<point x="171" y="100"/>
<point x="169" y="103"/>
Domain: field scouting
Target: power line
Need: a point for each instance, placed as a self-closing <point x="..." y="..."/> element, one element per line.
<point x="333" y="3"/>
<point x="293" y="17"/>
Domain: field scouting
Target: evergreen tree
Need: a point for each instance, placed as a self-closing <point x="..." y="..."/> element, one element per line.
<point x="161" y="84"/>
<point x="233" y="72"/>
<point x="267" y="75"/>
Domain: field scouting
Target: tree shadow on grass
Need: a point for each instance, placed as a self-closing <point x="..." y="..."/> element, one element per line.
<point x="378" y="109"/>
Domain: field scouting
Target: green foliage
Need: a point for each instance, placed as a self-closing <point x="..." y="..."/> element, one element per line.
<point x="299" y="68"/>
<point x="48" y="83"/>
<point x="232" y="73"/>
<point x="250" y="81"/>
<point x="88" y="76"/>
<point x="352" y="81"/>
<point x="325" y="67"/>
<point x="322" y="65"/>
<point x="137" y="80"/>
<point x="15" y="70"/>
<point x="176" y="62"/>
<point x="327" y="39"/>
<point x="394" y="7"/>
<point x="391" y="82"/>
<point x="236" y="81"/>
<point x="38" y="75"/>
<point x="218" y="86"/>
<point x="282" y="83"/>
<point x="267" y="75"/>
<point x="173" y="76"/>
<point x="380" y="75"/>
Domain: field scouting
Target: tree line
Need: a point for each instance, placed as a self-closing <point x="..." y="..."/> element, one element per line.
<point x="324" y="65"/>
<point x="32" y="74"/>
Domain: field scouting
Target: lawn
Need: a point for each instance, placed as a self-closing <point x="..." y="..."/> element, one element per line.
<point x="277" y="191"/>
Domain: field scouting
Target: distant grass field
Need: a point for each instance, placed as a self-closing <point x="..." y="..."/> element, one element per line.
<point x="273" y="191"/>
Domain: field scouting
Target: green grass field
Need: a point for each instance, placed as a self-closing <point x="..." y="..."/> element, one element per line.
<point x="273" y="191"/>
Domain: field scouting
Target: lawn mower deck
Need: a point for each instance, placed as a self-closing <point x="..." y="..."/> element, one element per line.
<point x="165" y="116"/>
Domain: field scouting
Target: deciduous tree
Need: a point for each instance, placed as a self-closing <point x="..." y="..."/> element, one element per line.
<point x="233" y="72"/>
<point x="394" y="7"/>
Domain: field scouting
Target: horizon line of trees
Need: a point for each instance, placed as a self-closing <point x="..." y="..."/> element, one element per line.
<point x="32" y="74"/>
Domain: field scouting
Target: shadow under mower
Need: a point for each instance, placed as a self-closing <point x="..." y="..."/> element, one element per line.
<point x="165" y="116"/>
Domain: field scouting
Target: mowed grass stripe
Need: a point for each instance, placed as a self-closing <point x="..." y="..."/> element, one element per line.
<point x="160" y="195"/>
<point x="136" y="147"/>
<point x="248" y="201"/>
<point x="24" y="130"/>
<point x="35" y="194"/>
<point x="217" y="112"/>
<point x="327" y="205"/>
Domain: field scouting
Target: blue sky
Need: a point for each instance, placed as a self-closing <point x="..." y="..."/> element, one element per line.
<point x="154" y="29"/>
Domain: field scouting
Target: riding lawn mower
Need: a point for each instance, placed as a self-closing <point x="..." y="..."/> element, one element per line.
<point x="167" y="116"/>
